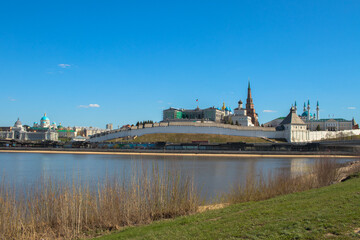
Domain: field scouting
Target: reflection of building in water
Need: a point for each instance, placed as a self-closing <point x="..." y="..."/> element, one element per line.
<point x="299" y="166"/>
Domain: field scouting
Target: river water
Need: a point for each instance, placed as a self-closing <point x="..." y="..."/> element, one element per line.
<point x="213" y="175"/>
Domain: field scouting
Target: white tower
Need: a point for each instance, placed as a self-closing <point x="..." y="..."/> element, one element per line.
<point x="308" y="110"/>
<point x="317" y="111"/>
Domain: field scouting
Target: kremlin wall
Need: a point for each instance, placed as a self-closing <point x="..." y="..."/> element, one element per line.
<point x="241" y="122"/>
<point x="292" y="134"/>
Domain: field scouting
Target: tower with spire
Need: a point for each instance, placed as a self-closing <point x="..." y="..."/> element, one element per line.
<point x="317" y="110"/>
<point x="308" y="109"/>
<point x="250" y="110"/>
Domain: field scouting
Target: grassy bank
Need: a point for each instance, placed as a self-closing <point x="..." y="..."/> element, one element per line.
<point x="331" y="212"/>
<point x="190" y="137"/>
<point x="61" y="210"/>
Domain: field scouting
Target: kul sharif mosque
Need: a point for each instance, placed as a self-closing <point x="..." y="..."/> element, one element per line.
<point x="315" y="123"/>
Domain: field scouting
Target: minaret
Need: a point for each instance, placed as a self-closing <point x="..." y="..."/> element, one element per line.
<point x="317" y="110"/>
<point x="295" y="107"/>
<point x="308" y="109"/>
<point x="304" y="110"/>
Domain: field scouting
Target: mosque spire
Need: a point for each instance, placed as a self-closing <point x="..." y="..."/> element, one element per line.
<point x="317" y="110"/>
<point x="308" y="110"/>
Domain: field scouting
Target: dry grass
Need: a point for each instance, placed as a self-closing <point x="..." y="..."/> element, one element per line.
<point x="57" y="210"/>
<point x="322" y="173"/>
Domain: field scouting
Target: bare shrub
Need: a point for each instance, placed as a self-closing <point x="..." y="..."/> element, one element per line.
<point x="323" y="172"/>
<point x="60" y="210"/>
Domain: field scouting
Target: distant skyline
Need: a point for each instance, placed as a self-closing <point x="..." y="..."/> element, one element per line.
<point x="89" y="63"/>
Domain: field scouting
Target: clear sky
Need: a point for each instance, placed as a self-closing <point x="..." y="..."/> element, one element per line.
<point x="88" y="63"/>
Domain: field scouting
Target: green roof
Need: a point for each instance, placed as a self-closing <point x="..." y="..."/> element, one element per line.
<point x="327" y="119"/>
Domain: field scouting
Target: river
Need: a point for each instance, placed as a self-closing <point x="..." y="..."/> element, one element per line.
<point x="213" y="175"/>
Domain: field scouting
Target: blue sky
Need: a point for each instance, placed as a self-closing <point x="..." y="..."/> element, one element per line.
<point x="132" y="59"/>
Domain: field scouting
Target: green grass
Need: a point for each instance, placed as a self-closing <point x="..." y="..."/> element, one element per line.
<point x="189" y="137"/>
<point x="327" y="213"/>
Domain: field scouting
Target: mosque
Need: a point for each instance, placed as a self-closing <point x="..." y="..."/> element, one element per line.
<point x="315" y="123"/>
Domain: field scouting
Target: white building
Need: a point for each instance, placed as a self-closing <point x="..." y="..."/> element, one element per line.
<point x="18" y="132"/>
<point x="239" y="116"/>
<point x="315" y="123"/>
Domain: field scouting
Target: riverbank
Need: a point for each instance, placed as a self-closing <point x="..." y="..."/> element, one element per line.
<point x="207" y="153"/>
<point x="324" y="213"/>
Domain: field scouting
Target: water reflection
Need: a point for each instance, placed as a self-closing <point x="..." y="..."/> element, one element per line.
<point x="214" y="175"/>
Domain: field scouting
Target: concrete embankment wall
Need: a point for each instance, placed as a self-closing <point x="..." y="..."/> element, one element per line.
<point x="231" y="130"/>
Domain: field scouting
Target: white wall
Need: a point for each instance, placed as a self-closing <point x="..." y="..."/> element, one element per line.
<point x="249" y="132"/>
<point x="321" y="135"/>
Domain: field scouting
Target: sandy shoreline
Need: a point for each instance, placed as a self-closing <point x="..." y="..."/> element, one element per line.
<point x="182" y="154"/>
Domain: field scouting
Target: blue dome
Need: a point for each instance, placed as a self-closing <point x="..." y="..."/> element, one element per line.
<point x="305" y="114"/>
<point x="45" y="118"/>
<point x="226" y="109"/>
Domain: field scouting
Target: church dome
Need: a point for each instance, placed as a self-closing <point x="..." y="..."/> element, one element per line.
<point x="18" y="123"/>
<point x="45" y="118"/>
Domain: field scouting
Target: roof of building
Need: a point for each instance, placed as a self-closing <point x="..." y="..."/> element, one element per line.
<point x="38" y="129"/>
<point x="305" y="114"/>
<point x="44" y="118"/>
<point x="292" y="118"/>
<point x="18" y="122"/>
<point x="328" y="119"/>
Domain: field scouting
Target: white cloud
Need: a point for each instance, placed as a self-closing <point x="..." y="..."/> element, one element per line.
<point x="269" y="111"/>
<point x="91" y="105"/>
<point x="64" y="65"/>
<point x="352" y="108"/>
